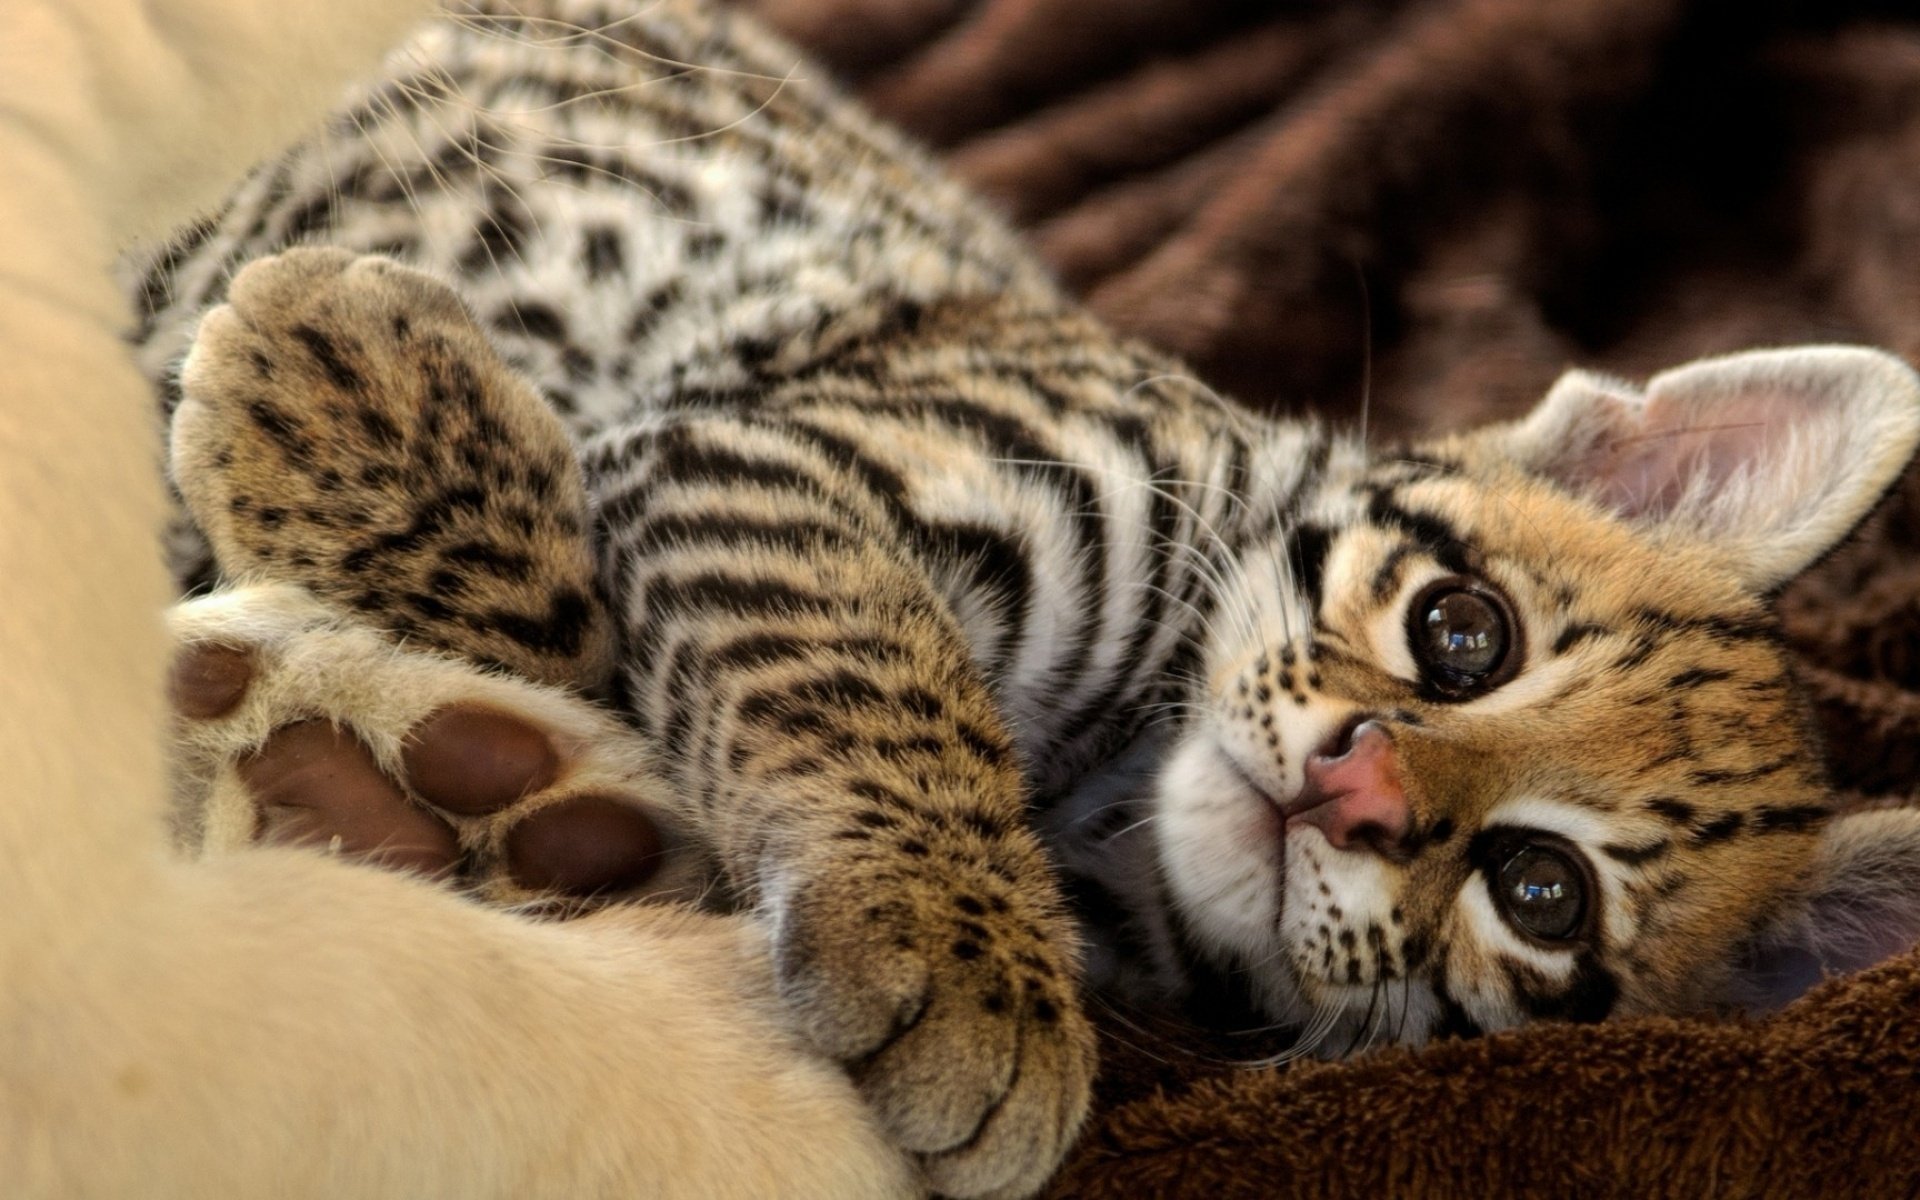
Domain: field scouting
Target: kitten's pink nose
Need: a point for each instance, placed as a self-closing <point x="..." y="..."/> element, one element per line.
<point x="1353" y="792"/>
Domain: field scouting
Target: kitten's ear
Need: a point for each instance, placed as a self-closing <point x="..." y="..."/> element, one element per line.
<point x="1772" y="456"/>
<point x="1863" y="906"/>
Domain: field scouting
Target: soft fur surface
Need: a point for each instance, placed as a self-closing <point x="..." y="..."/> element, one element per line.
<point x="1509" y="188"/>
<point x="94" y="153"/>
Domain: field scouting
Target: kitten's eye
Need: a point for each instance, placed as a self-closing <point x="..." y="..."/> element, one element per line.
<point x="1461" y="636"/>
<point x="1543" y="892"/>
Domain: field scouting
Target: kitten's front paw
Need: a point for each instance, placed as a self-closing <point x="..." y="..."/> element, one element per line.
<point x="955" y="1007"/>
<point x="295" y="726"/>
<point x="346" y="426"/>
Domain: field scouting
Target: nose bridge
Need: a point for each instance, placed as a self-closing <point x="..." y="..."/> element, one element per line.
<point x="1456" y="774"/>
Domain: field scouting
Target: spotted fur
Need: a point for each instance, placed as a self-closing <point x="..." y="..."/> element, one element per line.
<point x="899" y="549"/>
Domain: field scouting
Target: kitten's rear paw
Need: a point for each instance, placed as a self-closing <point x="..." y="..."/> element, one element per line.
<point x="955" y="1009"/>
<point x="346" y="427"/>
<point x="298" y="727"/>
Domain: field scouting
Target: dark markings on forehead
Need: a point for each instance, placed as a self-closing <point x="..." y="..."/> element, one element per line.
<point x="1720" y="628"/>
<point x="1432" y="531"/>
<point x="1573" y="635"/>
<point x="1747" y="775"/>
<point x="1791" y="818"/>
<point x="1703" y="830"/>
<point x="1719" y="829"/>
<point x="1675" y="810"/>
<point x="1697" y="677"/>
<point x="1635" y="856"/>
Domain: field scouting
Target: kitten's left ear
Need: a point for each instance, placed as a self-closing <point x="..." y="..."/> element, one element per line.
<point x="1771" y="456"/>
<point x="1863" y="905"/>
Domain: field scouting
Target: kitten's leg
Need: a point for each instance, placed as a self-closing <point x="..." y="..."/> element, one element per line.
<point x="816" y="698"/>
<point x="829" y="734"/>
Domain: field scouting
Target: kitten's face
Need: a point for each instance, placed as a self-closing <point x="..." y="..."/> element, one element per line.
<point x="1602" y="778"/>
<point x="1470" y="751"/>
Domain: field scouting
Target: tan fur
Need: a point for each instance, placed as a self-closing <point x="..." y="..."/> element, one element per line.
<point x="269" y="1022"/>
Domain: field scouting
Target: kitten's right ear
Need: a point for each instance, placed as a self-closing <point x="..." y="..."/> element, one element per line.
<point x="1769" y="457"/>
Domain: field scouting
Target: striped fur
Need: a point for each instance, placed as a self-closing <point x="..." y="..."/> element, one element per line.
<point x="899" y="547"/>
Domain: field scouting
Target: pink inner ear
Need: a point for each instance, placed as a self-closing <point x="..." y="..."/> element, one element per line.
<point x="1655" y="456"/>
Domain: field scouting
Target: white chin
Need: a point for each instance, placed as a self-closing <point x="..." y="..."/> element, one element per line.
<point x="1221" y="847"/>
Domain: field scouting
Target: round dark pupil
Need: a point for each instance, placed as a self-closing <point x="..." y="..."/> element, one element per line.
<point x="1543" y="892"/>
<point x="1465" y="634"/>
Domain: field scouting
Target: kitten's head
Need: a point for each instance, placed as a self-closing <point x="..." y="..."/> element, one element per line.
<point x="1504" y="729"/>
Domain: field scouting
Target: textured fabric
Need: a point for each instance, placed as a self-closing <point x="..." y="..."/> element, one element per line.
<point x="1422" y="213"/>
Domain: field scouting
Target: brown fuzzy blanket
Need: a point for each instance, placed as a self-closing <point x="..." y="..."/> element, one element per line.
<point x="1432" y="208"/>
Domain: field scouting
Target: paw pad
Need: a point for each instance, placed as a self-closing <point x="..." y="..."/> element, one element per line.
<point x="301" y="727"/>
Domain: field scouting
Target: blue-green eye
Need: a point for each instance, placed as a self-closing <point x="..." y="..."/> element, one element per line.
<point x="1542" y="892"/>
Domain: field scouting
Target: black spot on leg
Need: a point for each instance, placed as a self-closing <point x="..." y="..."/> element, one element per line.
<point x="285" y="430"/>
<point x="328" y="356"/>
<point x="378" y="426"/>
<point x="966" y="951"/>
<point x="559" y="631"/>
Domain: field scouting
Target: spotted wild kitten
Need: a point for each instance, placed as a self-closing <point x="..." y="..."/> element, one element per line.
<point x="677" y="381"/>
